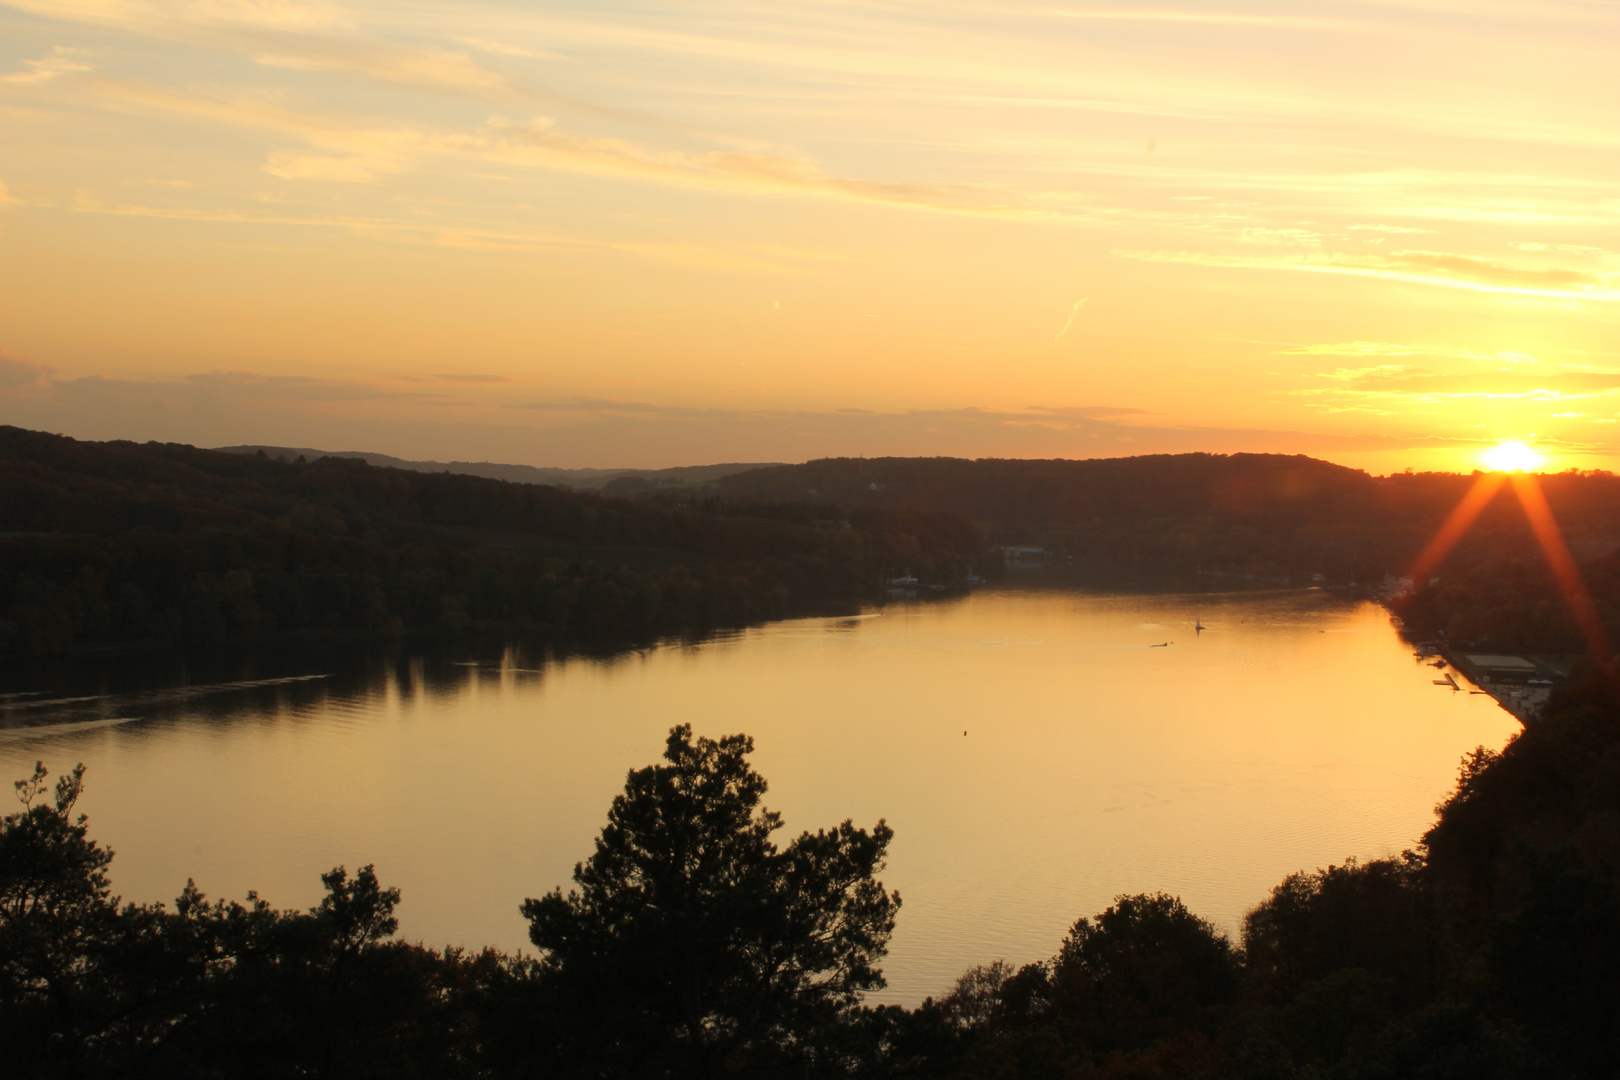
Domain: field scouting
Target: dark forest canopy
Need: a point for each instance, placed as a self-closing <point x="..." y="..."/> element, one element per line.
<point x="107" y="542"/>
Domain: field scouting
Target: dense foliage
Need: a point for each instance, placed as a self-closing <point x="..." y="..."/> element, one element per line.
<point x="108" y="542"/>
<point x="694" y="946"/>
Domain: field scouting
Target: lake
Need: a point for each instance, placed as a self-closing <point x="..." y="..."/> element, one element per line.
<point x="1034" y="752"/>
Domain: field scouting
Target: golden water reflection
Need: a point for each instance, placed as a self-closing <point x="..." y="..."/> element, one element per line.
<point x="1294" y="732"/>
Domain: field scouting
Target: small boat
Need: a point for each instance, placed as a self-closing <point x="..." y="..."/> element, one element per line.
<point x="1198" y="625"/>
<point x="1160" y="645"/>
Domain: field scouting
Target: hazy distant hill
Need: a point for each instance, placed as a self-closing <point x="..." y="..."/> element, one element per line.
<point x="117" y="541"/>
<point x="1265" y="515"/>
<point x="1019" y="492"/>
<point x="584" y="479"/>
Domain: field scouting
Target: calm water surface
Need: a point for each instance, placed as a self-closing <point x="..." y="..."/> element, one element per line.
<point x="1294" y="732"/>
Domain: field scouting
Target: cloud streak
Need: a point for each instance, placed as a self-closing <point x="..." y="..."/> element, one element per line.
<point x="17" y="372"/>
<point x="1069" y="321"/>
<point x="1443" y="269"/>
<point x="60" y="61"/>
<point x="771" y="259"/>
<point x="1395" y="384"/>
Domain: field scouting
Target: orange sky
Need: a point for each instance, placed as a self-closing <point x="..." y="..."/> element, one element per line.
<point x="605" y="234"/>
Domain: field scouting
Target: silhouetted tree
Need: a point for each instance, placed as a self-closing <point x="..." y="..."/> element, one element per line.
<point x="693" y="945"/>
<point x="1144" y="969"/>
<point x="58" y="921"/>
<point x="208" y="989"/>
<point x="1555" y="964"/>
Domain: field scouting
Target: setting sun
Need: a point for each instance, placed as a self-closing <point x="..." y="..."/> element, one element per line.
<point x="1511" y="457"/>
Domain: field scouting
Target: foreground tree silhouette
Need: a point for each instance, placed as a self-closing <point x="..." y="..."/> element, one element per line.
<point x="58" y="917"/>
<point x="90" y="988"/>
<point x="693" y="945"/>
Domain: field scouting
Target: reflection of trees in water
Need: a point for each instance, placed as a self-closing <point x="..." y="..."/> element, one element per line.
<point x="228" y="680"/>
<point x="224" y="684"/>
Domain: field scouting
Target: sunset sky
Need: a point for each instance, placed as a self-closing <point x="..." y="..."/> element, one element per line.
<point x="650" y="234"/>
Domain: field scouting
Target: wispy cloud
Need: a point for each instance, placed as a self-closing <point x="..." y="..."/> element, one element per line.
<point x="1213" y="18"/>
<point x="303" y="388"/>
<point x="1444" y="269"/>
<point x="1069" y="321"/>
<point x="287" y="34"/>
<point x="58" y="62"/>
<point x="156" y="15"/>
<point x="1354" y="348"/>
<point x="1385" y="348"/>
<point x="508" y="48"/>
<point x="338" y="152"/>
<point x="771" y="258"/>
<point x="18" y="371"/>
<point x="1388" y="229"/>
<point x="1399" y="382"/>
<point x="543" y="144"/>
<point x="434" y="68"/>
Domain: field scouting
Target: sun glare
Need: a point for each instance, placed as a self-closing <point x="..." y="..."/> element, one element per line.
<point x="1511" y="457"/>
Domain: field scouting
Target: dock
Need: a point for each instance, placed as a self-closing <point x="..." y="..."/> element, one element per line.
<point x="1521" y="684"/>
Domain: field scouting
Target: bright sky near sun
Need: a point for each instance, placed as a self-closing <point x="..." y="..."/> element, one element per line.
<point x="1383" y="232"/>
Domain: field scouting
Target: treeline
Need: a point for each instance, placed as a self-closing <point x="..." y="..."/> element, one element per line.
<point x="1266" y="515"/>
<point x="694" y="946"/>
<point x="117" y="542"/>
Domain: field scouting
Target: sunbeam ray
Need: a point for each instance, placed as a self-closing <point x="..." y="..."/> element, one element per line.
<point x="1568" y="575"/>
<point x="1462" y="518"/>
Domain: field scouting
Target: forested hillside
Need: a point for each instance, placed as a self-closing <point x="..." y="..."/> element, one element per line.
<point x="1264" y="515"/>
<point x="117" y="542"/>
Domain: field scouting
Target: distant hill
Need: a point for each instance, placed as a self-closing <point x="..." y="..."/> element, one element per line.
<point x="102" y="543"/>
<point x="1017" y="492"/>
<point x="580" y="479"/>
<point x="1266" y="516"/>
<point x="1263" y="516"/>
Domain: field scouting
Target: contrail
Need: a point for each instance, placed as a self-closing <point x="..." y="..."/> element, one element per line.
<point x="1070" y="320"/>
